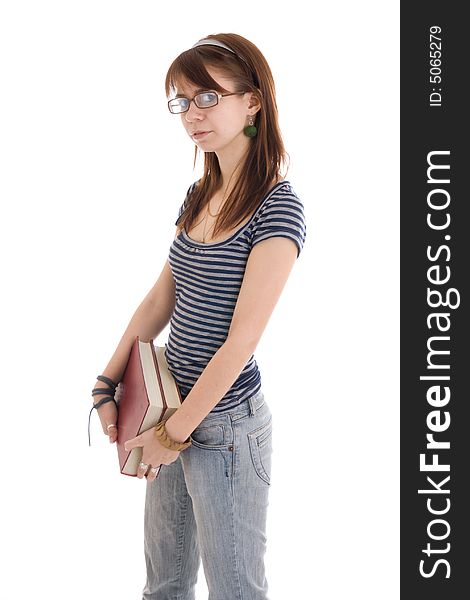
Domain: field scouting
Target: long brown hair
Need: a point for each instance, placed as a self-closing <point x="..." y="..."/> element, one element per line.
<point x="262" y="164"/>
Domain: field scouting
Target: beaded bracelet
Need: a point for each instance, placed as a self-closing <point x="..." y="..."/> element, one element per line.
<point x="166" y="440"/>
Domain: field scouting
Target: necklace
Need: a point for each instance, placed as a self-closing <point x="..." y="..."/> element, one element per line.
<point x="205" y="219"/>
<point x="209" y="210"/>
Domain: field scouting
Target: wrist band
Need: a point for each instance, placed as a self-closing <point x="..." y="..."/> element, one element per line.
<point x="108" y="396"/>
<point x="166" y="440"/>
<point x="107" y="380"/>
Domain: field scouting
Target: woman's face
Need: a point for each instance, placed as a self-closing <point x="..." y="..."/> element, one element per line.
<point x="223" y="123"/>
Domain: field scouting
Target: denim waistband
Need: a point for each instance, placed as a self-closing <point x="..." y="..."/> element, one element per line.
<point x="248" y="406"/>
<point x="253" y="403"/>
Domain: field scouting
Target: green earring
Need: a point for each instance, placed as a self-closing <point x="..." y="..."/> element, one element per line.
<point x="250" y="130"/>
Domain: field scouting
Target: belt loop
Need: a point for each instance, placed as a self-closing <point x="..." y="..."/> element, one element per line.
<point x="252" y="405"/>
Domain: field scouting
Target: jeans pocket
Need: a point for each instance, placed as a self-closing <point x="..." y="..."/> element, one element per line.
<point x="260" y="441"/>
<point x="210" y="436"/>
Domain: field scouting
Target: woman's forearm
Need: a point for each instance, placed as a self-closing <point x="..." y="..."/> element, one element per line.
<point x="214" y="382"/>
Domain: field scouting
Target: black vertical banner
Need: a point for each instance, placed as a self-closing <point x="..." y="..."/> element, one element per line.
<point x="434" y="304"/>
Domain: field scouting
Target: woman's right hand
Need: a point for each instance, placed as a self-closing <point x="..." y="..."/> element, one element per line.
<point x="108" y="415"/>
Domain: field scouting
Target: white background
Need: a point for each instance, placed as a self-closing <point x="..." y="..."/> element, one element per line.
<point x="93" y="171"/>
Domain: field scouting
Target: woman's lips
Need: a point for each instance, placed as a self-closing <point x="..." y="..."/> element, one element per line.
<point x="198" y="136"/>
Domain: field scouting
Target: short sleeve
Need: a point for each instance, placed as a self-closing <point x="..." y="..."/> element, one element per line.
<point x="182" y="208"/>
<point x="282" y="216"/>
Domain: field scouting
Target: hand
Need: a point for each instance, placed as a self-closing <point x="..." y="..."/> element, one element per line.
<point x="154" y="453"/>
<point x="108" y="415"/>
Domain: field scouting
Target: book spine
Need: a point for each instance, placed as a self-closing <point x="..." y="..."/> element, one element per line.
<point x="159" y="377"/>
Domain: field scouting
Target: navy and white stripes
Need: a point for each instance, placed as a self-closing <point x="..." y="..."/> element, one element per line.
<point x="208" y="278"/>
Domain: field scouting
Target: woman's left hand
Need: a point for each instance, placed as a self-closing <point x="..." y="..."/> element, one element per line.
<point x="154" y="453"/>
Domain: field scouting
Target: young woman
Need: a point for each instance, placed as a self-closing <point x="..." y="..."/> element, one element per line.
<point x="239" y="231"/>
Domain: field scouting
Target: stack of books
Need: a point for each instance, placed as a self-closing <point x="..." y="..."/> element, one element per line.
<point x="147" y="394"/>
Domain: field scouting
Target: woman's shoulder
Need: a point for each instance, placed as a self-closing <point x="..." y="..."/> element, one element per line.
<point x="193" y="186"/>
<point x="282" y="214"/>
<point x="282" y="191"/>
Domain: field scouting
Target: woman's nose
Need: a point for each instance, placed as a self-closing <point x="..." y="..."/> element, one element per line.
<point x="193" y="112"/>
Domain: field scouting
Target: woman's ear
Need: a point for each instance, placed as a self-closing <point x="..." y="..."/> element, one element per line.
<point x="254" y="102"/>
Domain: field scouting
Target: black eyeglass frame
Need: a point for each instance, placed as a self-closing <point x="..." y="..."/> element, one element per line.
<point x="218" y="95"/>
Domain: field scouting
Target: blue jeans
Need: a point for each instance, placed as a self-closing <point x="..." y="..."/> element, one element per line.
<point x="211" y="503"/>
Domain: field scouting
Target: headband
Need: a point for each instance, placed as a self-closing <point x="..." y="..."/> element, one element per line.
<point x="214" y="42"/>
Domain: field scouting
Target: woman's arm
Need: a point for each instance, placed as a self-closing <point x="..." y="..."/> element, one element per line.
<point x="266" y="273"/>
<point x="148" y="321"/>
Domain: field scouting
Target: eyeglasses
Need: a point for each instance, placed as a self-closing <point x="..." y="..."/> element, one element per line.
<point x="201" y="100"/>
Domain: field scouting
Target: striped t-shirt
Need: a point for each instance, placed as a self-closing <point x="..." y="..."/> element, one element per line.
<point x="208" y="278"/>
